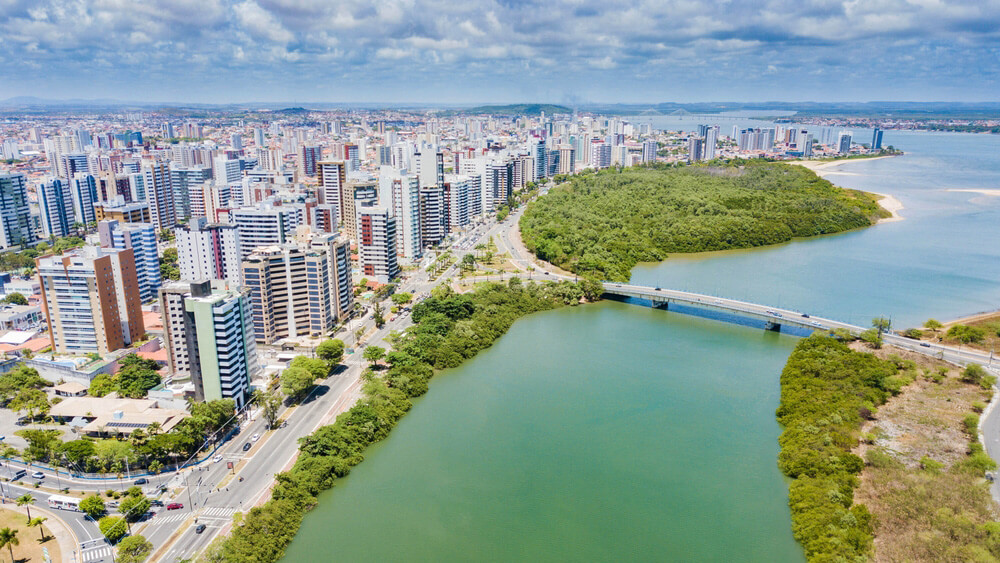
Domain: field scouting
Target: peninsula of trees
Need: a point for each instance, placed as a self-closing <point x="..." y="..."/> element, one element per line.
<point x="602" y="224"/>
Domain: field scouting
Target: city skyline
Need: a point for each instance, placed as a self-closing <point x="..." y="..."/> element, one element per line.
<point x="218" y="51"/>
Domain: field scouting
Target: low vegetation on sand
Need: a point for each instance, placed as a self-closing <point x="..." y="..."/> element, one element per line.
<point x="883" y="454"/>
<point x="924" y="468"/>
<point x="602" y="224"/>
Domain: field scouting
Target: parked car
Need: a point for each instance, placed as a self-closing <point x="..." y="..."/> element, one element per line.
<point x="175" y="506"/>
<point x="141" y="481"/>
<point x="199" y="528"/>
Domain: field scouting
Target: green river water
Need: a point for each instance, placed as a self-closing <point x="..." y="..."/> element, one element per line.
<point x="612" y="431"/>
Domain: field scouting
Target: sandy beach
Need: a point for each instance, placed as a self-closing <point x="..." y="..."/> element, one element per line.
<point x="892" y="205"/>
<point x="992" y="193"/>
<point x="824" y="166"/>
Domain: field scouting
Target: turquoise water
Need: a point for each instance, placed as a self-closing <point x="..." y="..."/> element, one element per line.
<point x="613" y="431"/>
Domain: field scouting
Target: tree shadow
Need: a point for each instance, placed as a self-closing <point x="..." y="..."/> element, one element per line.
<point x="318" y="391"/>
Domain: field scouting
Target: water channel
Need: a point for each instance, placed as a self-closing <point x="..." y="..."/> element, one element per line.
<point x="616" y="432"/>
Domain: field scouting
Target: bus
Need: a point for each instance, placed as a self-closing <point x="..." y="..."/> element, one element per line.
<point x="65" y="503"/>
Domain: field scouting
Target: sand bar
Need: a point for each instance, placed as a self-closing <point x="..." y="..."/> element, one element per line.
<point x="983" y="191"/>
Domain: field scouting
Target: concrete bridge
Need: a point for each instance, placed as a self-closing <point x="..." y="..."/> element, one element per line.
<point x="774" y="318"/>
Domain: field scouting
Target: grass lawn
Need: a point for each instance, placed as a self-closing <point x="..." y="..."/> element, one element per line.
<point x="29" y="547"/>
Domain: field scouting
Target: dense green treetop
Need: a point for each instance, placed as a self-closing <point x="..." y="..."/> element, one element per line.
<point x="602" y="224"/>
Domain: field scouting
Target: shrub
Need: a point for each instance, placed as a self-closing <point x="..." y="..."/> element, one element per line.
<point x="971" y="424"/>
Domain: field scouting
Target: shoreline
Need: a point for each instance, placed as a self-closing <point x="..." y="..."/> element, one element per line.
<point x="890" y="204"/>
<point x="818" y="166"/>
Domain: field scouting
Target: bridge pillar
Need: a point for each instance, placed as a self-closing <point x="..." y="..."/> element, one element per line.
<point x="771" y="325"/>
<point x="660" y="304"/>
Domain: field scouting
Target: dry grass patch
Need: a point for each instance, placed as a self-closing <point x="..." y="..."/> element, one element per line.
<point x="30" y="542"/>
<point x="928" y="494"/>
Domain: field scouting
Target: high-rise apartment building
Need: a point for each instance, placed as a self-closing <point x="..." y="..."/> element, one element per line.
<point x="696" y="149"/>
<point x="184" y="181"/>
<point x="209" y="251"/>
<point x="433" y="215"/>
<point x="141" y="238"/>
<point x="159" y="194"/>
<point x="298" y="289"/>
<point x="269" y="224"/>
<point x="352" y="156"/>
<point x="711" y="142"/>
<point x="309" y="155"/>
<point x="430" y="167"/>
<point x="844" y="142"/>
<point x="55" y="205"/>
<point x="876" y="139"/>
<point x="91" y="300"/>
<point x="377" y="243"/>
<point x="332" y="181"/>
<point x="209" y="334"/>
<point x="404" y="192"/>
<point x="15" y="212"/>
<point x="355" y="195"/>
<point x="83" y="192"/>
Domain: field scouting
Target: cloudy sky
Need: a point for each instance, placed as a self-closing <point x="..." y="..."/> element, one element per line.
<point x="468" y="51"/>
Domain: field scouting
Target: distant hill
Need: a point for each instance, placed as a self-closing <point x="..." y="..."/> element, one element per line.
<point x="292" y="111"/>
<point x="516" y="109"/>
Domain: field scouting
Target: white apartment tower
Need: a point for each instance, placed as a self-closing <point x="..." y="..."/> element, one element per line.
<point x="209" y="251"/>
<point x="377" y="243"/>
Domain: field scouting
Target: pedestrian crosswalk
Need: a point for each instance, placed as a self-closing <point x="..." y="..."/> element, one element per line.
<point x="167" y="518"/>
<point x="222" y="511"/>
<point x="210" y="513"/>
<point x="97" y="554"/>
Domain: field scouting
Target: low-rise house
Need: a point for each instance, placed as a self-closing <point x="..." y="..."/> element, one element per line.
<point x="70" y="389"/>
<point x="108" y="416"/>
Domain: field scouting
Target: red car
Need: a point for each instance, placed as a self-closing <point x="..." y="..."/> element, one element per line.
<point x="175" y="506"/>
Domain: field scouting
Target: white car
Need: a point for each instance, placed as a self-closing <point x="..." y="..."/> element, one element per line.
<point x="255" y="437"/>
<point x="37" y="475"/>
<point x="217" y="458"/>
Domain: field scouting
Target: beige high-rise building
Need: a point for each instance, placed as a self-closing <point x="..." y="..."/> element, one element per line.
<point x="355" y="195"/>
<point x="91" y="300"/>
<point x="332" y="181"/>
<point x="298" y="289"/>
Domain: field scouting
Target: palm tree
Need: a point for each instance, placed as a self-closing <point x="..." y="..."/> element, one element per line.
<point x="26" y="501"/>
<point x="153" y="429"/>
<point x="8" y="538"/>
<point x="38" y="522"/>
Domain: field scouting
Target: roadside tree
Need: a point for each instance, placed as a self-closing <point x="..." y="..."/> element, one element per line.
<point x="134" y="549"/>
<point x="113" y="528"/>
<point x="26" y="501"/>
<point x="331" y="351"/>
<point x="270" y="403"/>
<point x="373" y="354"/>
<point x="134" y="506"/>
<point x="295" y="381"/>
<point x="93" y="506"/>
